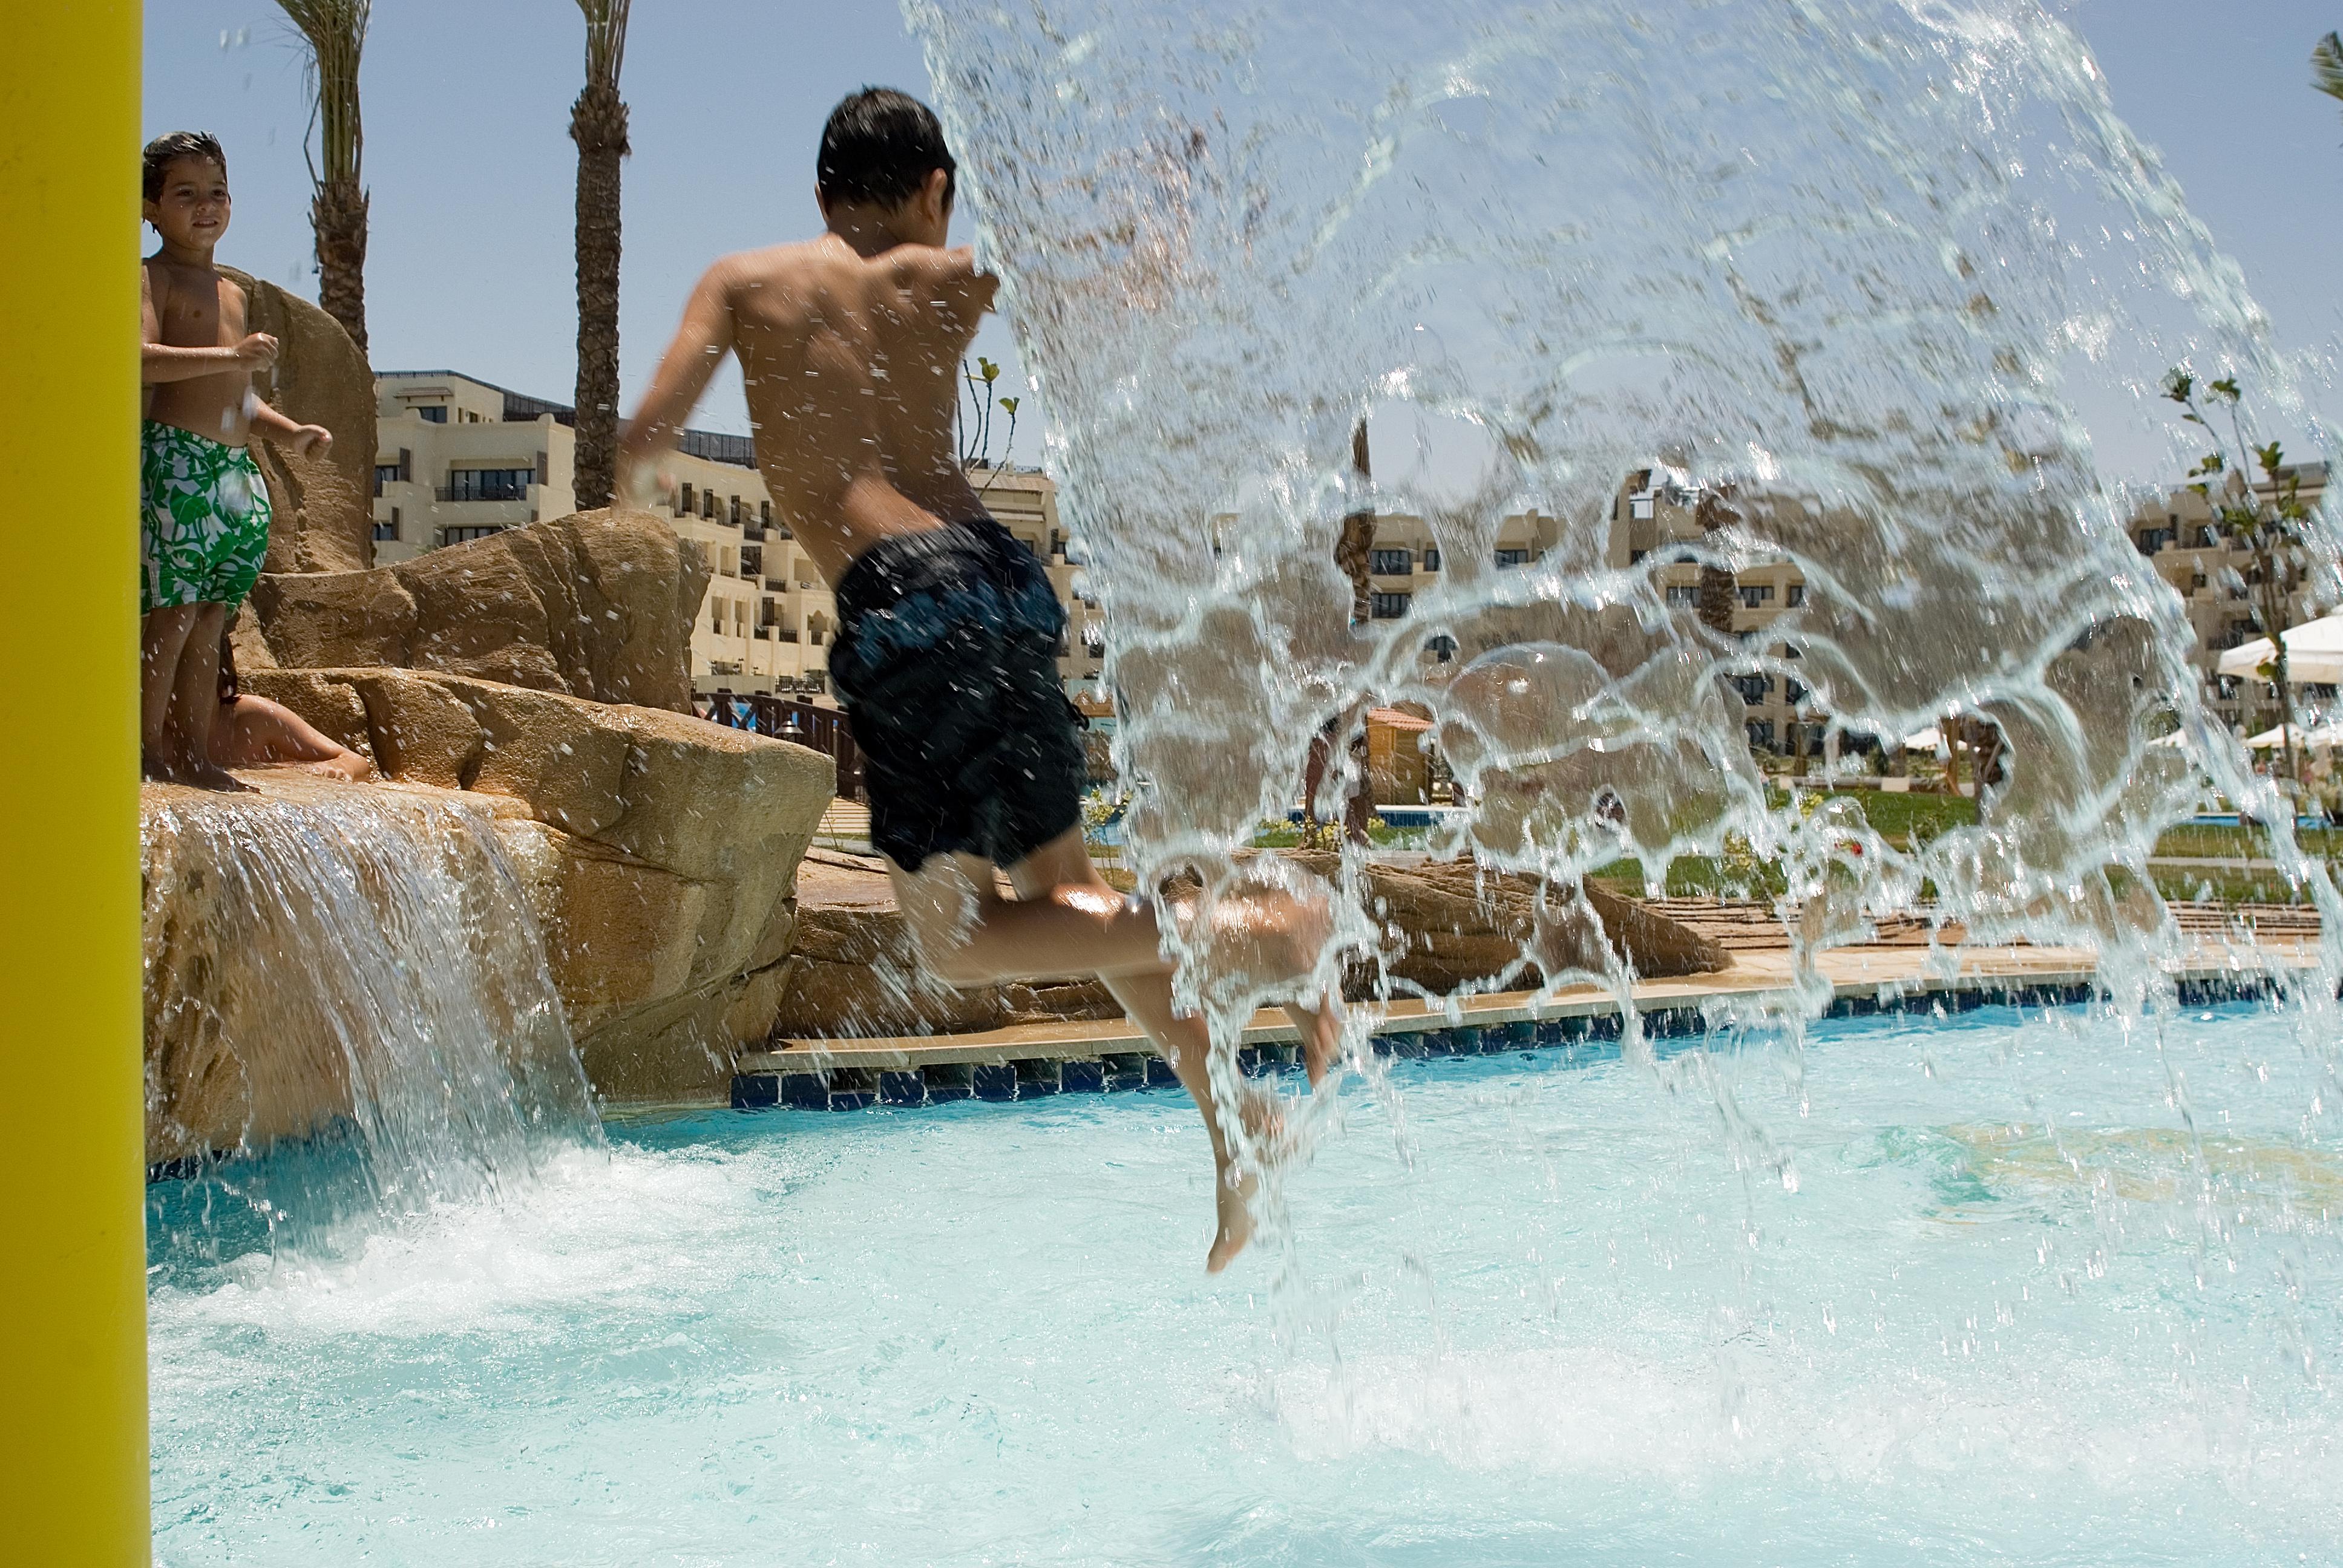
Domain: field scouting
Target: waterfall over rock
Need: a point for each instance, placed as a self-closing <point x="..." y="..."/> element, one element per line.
<point x="319" y="959"/>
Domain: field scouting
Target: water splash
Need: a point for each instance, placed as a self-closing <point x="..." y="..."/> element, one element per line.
<point x="1854" y="273"/>
<point x="356" y="977"/>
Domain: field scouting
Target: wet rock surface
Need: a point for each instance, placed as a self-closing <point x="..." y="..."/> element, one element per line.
<point x="597" y="605"/>
<point x="657" y="852"/>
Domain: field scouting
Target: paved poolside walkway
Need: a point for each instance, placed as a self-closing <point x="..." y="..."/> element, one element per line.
<point x="1048" y="1057"/>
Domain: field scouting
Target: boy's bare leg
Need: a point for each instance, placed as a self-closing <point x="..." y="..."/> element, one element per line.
<point x="970" y="935"/>
<point x="196" y="704"/>
<point x="162" y="637"/>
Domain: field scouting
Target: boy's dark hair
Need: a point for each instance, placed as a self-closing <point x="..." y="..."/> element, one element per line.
<point x="178" y="145"/>
<point x="878" y="147"/>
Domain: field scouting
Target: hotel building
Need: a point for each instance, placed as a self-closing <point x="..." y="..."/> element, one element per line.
<point x="459" y="459"/>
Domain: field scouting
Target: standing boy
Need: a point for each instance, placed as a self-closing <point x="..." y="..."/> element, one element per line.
<point x="203" y="528"/>
<point x="946" y="653"/>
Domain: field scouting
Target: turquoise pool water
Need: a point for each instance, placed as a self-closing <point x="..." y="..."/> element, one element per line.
<point x="2002" y="1308"/>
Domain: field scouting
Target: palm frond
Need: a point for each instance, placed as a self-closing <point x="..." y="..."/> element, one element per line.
<point x="2327" y="64"/>
<point x="605" y="39"/>
<point x="336" y="32"/>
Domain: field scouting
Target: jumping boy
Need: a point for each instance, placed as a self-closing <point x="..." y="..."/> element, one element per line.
<point x="946" y="652"/>
<point x="204" y="509"/>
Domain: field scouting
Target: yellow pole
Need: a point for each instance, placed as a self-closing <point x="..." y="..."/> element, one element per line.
<point x="72" y="1308"/>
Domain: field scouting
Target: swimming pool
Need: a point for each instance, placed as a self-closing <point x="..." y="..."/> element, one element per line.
<point x="1984" y="1301"/>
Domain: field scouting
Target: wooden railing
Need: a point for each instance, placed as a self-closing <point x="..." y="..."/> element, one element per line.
<point x="825" y="729"/>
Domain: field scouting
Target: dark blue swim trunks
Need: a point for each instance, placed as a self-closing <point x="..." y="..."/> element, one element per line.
<point x="947" y="663"/>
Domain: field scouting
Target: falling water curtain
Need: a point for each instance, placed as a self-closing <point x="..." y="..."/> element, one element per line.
<point x="72" y="1440"/>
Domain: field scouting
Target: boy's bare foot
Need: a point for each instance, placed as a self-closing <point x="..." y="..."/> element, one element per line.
<point x="350" y="767"/>
<point x="1233" y="1200"/>
<point x="1263" y="1111"/>
<point x="1320" y="1029"/>
<point x="209" y="775"/>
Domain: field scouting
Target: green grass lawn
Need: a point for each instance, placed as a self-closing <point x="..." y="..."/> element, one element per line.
<point x="1906" y="820"/>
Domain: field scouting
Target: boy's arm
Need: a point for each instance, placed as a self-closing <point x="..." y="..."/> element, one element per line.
<point x="700" y="346"/>
<point x="159" y="361"/>
<point x="309" y="441"/>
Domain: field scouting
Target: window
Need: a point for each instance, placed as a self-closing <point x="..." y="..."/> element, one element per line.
<point x="683" y="500"/>
<point x="765" y="513"/>
<point x="1794" y="690"/>
<point x="1761" y="734"/>
<point x="1441" y="648"/>
<point x="1388" y="605"/>
<point x="708" y="505"/>
<point x="1755" y="594"/>
<point x="1635" y="556"/>
<point x="1753" y="689"/>
<point x="736" y="511"/>
<point x="1393" y="563"/>
<point x="1513" y="558"/>
<point x="1094" y="636"/>
<point x="436" y="415"/>
<point x="387" y="532"/>
<point x="490" y="484"/>
<point x="465" y="533"/>
<point x="1683" y="595"/>
<point x="385" y="474"/>
<point x="1431" y="558"/>
<point x="1639" y="508"/>
<point x="2154" y="539"/>
<point x="1797" y="594"/>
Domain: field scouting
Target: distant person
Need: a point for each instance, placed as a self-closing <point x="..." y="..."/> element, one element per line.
<point x="946" y="652"/>
<point x="203" y="508"/>
<point x="253" y="732"/>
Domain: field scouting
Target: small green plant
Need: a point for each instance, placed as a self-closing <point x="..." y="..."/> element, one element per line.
<point x="2326" y="65"/>
<point x="2271" y="524"/>
<point x="976" y="420"/>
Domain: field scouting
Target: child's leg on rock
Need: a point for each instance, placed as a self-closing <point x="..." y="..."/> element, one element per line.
<point x="194" y="701"/>
<point x="163" y="638"/>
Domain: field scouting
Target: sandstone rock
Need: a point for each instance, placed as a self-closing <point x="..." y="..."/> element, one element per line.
<point x="324" y="507"/>
<point x="1455" y="924"/>
<point x="597" y="605"/>
<point x="334" y="620"/>
<point x="656" y="853"/>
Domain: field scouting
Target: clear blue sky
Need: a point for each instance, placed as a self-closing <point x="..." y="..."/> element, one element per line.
<point x="471" y="168"/>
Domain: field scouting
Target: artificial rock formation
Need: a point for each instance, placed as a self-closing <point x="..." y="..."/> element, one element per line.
<point x="597" y="605"/>
<point x="324" y="507"/>
<point x="659" y="854"/>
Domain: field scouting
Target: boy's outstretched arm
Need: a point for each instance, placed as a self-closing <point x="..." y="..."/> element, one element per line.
<point x="700" y="346"/>
<point x="309" y="441"/>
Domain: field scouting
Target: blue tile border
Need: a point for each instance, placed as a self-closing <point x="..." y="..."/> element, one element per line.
<point x="1031" y="1078"/>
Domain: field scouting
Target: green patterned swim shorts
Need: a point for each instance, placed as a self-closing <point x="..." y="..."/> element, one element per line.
<point x="203" y="528"/>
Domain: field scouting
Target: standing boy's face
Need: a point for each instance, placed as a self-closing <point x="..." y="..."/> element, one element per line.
<point x="192" y="212"/>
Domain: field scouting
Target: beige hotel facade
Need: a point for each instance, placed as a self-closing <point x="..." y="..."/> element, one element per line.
<point x="459" y="459"/>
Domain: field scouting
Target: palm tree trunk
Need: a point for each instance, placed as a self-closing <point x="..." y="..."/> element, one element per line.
<point x="1716" y="595"/>
<point x="338" y="218"/>
<point x="598" y="123"/>
<point x="335" y="34"/>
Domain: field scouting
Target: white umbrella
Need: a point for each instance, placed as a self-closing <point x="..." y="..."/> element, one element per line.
<point x="1928" y="739"/>
<point x="2313" y="653"/>
<point x="2271" y="740"/>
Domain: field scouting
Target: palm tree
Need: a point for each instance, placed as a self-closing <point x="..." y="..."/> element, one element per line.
<point x="2327" y="64"/>
<point x="598" y="123"/>
<point x="334" y="30"/>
